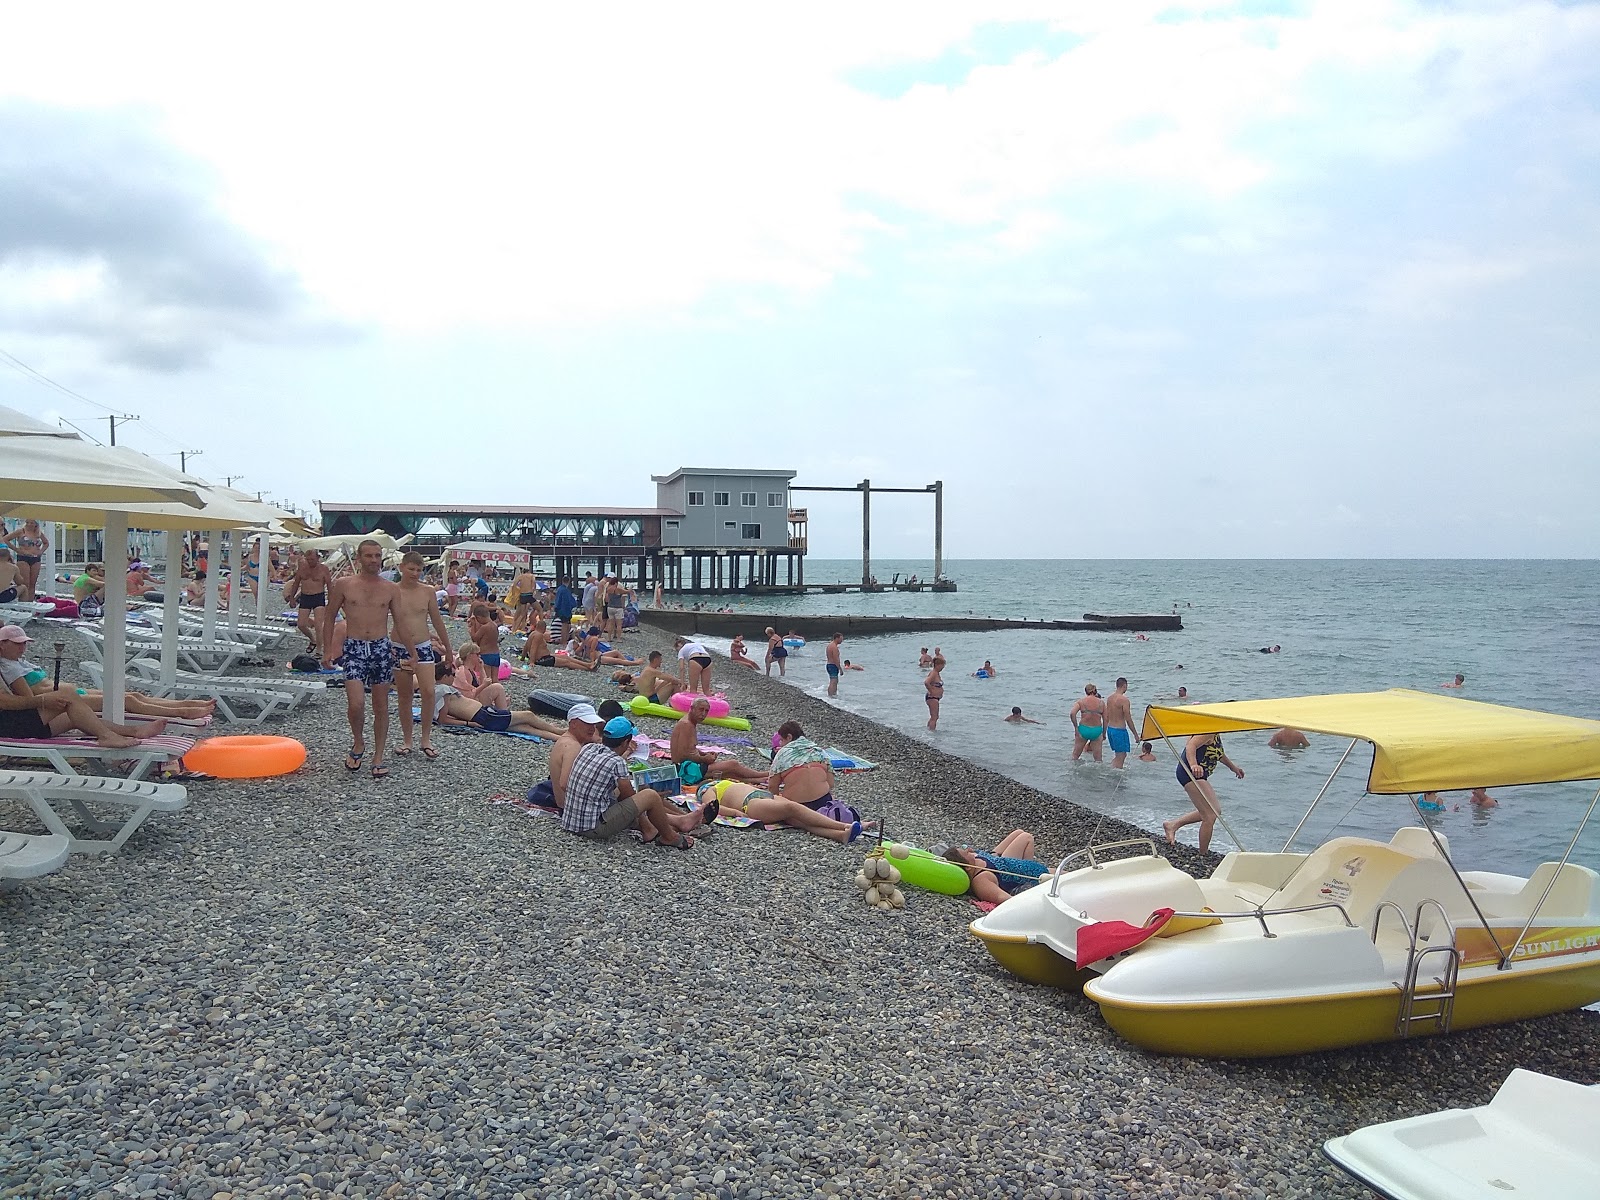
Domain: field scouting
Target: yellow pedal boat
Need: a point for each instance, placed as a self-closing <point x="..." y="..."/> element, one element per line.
<point x="1358" y="940"/>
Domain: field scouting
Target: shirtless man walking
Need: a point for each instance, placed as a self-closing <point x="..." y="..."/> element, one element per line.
<point x="1119" y="723"/>
<point x="307" y="590"/>
<point x="1088" y="723"/>
<point x="367" y="602"/>
<point x="415" y="607"/>
<point x="521" y="594"/>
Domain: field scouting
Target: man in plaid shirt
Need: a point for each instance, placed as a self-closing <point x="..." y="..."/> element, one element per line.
<point x="602" y="802"/>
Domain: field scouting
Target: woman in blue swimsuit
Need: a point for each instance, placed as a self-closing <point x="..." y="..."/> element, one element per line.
<point x="1201" y="754"/>
<point x="999" y="874"/>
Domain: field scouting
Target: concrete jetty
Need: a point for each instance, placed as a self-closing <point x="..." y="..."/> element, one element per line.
<point x="812" y="627"/>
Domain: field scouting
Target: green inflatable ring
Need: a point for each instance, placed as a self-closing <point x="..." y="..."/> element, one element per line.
<point x="926" y="870"/>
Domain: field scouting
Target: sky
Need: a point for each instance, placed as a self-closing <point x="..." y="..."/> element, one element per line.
<point x="1133" y="279"/>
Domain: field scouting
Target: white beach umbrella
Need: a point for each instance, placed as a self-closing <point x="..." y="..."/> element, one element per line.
<point x="216" y="512"/>
<point x="40" y="463"/>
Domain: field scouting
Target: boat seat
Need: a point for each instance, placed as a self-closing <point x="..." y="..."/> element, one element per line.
<point x="1571" y="897"/>
<point x="1417" y="841"/>
<point x="1130" y="889"/>
<point x="1354" y="872"/>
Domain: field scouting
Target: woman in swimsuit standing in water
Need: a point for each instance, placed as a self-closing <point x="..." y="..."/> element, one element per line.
<point x="934" y="686"/>
<point x="1201" y="754"/>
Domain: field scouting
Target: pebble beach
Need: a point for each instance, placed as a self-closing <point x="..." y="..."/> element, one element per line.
<point x="327" y="985"/>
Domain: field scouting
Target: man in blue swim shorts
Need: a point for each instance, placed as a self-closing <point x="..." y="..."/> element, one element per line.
<point x="366" y="601"/>
<point x="833" y="663"/>
<point x="1119" y="723"/>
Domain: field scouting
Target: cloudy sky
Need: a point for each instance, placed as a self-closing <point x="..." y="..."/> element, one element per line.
<point x="1133" y="279"/>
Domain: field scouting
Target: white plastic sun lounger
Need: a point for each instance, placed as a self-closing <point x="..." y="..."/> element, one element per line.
<point x="1536" y="1138"/>
<point x="261" y="636"/>
<point x="238" y="701"/>
<point x="30" y="855"/>
<point x="301" y="689"/>
<point x="61" y="752"/>
<point x="194" y="654"/>
<point x="134" y="801"/>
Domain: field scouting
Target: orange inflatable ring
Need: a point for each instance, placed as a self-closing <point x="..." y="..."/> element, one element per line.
<point x="248" y="756"/>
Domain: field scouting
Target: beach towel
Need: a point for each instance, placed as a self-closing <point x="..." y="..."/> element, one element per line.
<point x="1103" y="939"/>
<point x="843" y="760"/>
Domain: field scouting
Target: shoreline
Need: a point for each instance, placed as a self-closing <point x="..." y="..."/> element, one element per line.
<point x="398" y="987"/>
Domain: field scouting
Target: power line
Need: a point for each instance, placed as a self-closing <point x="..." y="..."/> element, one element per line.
<point x="39" y="377"/>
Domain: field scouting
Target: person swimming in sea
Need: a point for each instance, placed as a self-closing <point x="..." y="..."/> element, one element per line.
<point x="1271" y="649"/>
<point x="1016" y="718"/>
<point x="1459" y="681"/>
<point x="1146" y="753"/>
<point x="987" y="671"/>
<point x="926" y="659"/>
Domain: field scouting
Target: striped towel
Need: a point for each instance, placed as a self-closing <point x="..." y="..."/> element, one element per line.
<point x="176" y="746"/>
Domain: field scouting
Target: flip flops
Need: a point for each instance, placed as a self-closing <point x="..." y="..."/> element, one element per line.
<point x="352" y="761"/>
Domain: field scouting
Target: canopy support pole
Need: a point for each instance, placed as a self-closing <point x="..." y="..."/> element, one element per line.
<point x="263" y="573"/>
<point x="236" y="594"/>
<point x="1416" y="803"/>
<point x="1220" y="817"/>
<point x="208" y="628"/>
<point x="1505" y="955"/>
<point x="53" y="533"/>
<point x="170" y="631"/>
<point x="1318" y="799"/>
<point x="115" y="624"/>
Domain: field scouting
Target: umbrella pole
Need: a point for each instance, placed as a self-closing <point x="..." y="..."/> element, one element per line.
<point x="115" y="625"/>
<point x="213" y="583"/>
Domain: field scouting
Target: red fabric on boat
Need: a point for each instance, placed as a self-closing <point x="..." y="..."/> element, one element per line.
<point x="1106" y="938"/>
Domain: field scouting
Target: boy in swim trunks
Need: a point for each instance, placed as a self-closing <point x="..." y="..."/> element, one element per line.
<point x="656" y="683"/>
<point x="414" y="609"/>
<point x="367" y="601"/>
<point x="1088" y="718"/>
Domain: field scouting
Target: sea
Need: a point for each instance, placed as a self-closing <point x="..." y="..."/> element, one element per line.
<point x="1522" y="632"/>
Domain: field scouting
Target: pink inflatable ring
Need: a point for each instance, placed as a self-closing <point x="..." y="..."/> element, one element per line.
<point x="719" y="707"/>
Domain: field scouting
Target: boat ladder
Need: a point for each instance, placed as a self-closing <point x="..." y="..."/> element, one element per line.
<point x="1436" y="1006"/>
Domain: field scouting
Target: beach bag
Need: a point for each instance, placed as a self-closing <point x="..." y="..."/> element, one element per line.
<point x="306" y="663"/>
<point x="837" y="810"/>
<point x="543" y="795"/>
<point x="630" y="616"/>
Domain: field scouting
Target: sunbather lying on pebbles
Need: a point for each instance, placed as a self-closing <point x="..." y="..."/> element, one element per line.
<point x="1001" y="873"/>
<point x="763" y="806"/>
<point x="452" y="708"/>
<point x="601" y="801"/>
<point x="587" y="649"/>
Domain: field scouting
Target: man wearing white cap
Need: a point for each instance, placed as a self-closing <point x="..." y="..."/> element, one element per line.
<point x="583" y="728"/>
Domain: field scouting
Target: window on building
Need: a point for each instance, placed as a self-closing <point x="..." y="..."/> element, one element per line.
<point x="720" y="499"/>
<point x="730" y="524"/>
<point x="750" y="532"/>
<point x="774" y="499"/>
<point x="697" y="499"/>
<point x="747" y="499"/>
<point x="672" y="524"/>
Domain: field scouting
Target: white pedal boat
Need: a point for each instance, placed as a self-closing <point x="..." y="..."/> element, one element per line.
<point x="1535" y="1139"/>
<point x="1357" y="941"/>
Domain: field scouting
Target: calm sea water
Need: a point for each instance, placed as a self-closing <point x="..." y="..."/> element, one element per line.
<point x="1523" y="632"/>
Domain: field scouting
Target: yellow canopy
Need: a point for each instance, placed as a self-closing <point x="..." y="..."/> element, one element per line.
<point x="1421" y="742"/>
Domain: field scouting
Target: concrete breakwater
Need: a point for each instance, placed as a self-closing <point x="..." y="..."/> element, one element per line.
<point x="811" y="626"/>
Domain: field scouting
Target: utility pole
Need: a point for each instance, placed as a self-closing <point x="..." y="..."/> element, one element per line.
<point x="113" y="420"/>
<point x="184" y="456"/>
<point x="228" y="479"/>
<point x="866" y="534"/>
